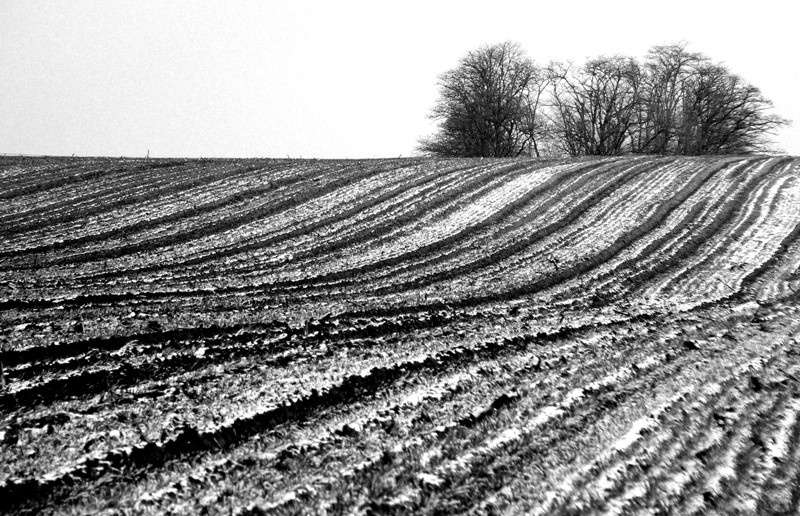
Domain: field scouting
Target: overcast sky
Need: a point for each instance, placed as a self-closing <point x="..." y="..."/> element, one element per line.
<point x="323" y="79"/>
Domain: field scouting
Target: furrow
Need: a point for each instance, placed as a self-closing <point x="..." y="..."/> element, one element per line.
<point x="702" y="460"/>
<point x="191" y="441"/>
<point x="768" y="447"/>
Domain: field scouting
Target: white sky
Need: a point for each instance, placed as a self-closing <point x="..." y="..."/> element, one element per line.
<point x="324" y="79"/>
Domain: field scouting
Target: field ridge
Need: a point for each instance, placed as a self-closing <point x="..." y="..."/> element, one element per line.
<point x="425" y="336"/>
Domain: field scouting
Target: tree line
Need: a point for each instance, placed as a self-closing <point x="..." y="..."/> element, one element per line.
<point x="498" y="102"/>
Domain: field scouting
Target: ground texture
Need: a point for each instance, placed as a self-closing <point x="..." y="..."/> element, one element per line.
<point x="419" y="336"/>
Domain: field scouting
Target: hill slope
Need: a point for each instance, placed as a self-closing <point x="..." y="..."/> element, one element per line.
<point x="600" y="335"/>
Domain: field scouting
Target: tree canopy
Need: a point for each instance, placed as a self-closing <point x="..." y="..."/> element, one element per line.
<point x="498" y="102"/>
<point x="487" y="104"/>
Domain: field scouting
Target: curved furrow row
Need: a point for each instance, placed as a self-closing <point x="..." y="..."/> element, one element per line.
<point x="609" y="248"/>
<point x="572" y="240"/>
<point x="124" y="362"/>
<point x="323" y="395"/>
<point x="66" y="373"/>
<point x="686" y="248"/>
<point x="392" y="258"/>
<point x="296" y="219"/>
<point x="191" y="439"/>
<point x="117" y="265"/>
<point x="734" y="216"/>
<point x="667" y="240"/>
<point x="529" y="474"/>
<point x="781" y="491"/>
<point x="36" y="361"/>
<point x="630" y="484"/>
<point x="218" y="227"/>
<point x="370" y="430"/>
<point x="301" y="259"/>
<point x="91" y="375"/>
<point x="621" y="475"/>
<point x="144" y="205"/>
<point x="392" y="425"/>
<point x="493" y="245"/>
<point x="121" y="185"/>
<point x="782" y="277"/>
<point x="781" y="274"/>
<point x="701" y="466"/>
<point x="372" y="218"/>
<point x="753" y="203"/>
<point x="604" y="394"/>
<point x="524" y="286"/>
<point x="47" y="235"/>
<point x="736" y="483"/>
<point x="13" y="170"/>
<point x="685" y="467"/>
<point x="46" y="177"/>
<point x="461" y="447"/>
<point x="122" y="223"/>
<point x="761" y="239"/>
<point x="428" y="235"/>
<point x="698" y="212"/>
<point x="401" y="466"/>
<point x="98" y="185"/>
<point x="130" y="227"/>
<point x="457" y="465"/>
<point x="238" y="378"/>
<point x="433" y="205"/>
<point x="614" y="335"/>
<point x="598" y="479"/>
<point x="112" y="192"/>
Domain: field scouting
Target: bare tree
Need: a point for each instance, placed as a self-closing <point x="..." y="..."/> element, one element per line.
<point x="722" y="114"/>
<point x="677" y="102"/>
<point x="595" y="106"/>
<point x="488" y="105"/>
<point x="535" y="125"/>
<point x="665" y="70"/>
<point x="498" y="103"/>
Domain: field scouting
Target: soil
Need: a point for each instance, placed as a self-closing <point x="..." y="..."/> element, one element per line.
<point x="616" y="335"/>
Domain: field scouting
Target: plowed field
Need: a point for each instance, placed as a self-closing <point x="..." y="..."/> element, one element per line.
<point x="617" y="335"/>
